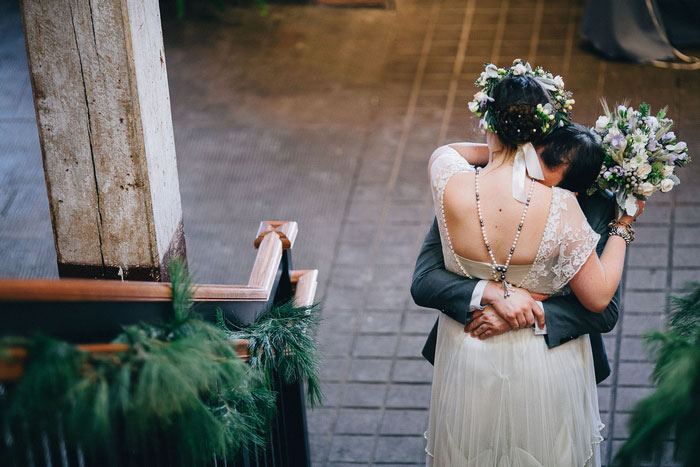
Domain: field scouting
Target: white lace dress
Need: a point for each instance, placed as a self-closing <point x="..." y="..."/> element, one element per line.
<point x="510" y="401"/>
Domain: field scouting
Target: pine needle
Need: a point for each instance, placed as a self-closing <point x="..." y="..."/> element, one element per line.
<point x="281" y="341"/>
<point x="673" y="409"/>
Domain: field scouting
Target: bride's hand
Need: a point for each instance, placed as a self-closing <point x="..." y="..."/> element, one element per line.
<point x="627" y="219"/>
<point x="519" y="310"/>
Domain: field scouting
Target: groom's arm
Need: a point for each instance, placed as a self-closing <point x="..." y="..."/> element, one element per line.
<point x="433" y="286"/>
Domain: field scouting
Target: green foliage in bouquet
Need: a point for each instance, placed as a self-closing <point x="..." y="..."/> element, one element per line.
<point x="180" y="379"/>
<point x="281" y="342"/>
<point x="674" y="408"/>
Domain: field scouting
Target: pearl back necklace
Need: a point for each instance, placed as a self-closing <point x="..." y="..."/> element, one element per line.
<point x="498" y="271"/>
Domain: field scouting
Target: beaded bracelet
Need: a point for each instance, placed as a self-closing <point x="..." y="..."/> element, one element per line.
<point x="621" y="229"/>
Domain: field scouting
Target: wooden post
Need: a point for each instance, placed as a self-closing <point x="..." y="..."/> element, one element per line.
<point x="101" y="97"/>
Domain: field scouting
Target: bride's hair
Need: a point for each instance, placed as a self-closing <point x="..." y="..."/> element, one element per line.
<point x="576" y="146"/>
<point x="515" y="105"/>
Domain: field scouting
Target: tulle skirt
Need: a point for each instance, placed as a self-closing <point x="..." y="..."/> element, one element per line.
<point x="509" y="401"/>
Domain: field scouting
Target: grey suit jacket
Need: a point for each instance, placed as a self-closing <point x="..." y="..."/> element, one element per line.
<point x="435" y="287"/>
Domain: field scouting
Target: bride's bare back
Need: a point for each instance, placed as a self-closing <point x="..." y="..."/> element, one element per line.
<point x="501" y="214"/>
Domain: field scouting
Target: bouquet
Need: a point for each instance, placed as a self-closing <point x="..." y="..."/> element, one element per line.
<point x="641" y="154"/>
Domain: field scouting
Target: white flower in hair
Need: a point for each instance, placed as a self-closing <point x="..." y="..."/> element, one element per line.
<point x="519" y="69"/>
<point x="559" y="82"/>
<point x="491" y="71"/>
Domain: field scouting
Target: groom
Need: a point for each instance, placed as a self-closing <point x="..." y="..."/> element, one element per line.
<point x="481" y="306"/>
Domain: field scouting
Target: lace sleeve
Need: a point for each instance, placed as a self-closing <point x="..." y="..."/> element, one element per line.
<point x="446" y="162"/>
<point x="577" y="240"/>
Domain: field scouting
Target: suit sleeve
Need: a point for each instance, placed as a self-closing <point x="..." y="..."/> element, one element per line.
<point x="566" y="317"/>
<point x="435" y="287"/>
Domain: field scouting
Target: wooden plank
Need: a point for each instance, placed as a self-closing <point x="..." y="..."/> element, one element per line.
<point x="89" y="290"/>
<point x="306" y="282"/>
<point x="266" y="263"/>
<point x="12" y="368"/>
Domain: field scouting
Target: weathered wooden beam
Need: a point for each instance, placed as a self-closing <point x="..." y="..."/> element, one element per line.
<point x="102" y="103"/>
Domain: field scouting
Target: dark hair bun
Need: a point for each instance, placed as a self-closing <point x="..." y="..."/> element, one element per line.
<point x="519" y="124"/>
<point x="515" y="110"/>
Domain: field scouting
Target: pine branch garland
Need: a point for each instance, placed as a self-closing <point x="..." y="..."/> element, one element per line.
<point x="282" y="340"/>
<point x="180" y="379"/>
<point x="673" y="409"/>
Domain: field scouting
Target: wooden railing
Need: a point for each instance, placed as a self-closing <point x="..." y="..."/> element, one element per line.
<point x="259" y="287"/>
<point x="54" y="306"/>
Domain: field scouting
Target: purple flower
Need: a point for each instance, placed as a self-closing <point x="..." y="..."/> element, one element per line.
<point x="668" y="136"/>
<point x="652" y="146"/>
<point x="617" y="140"/>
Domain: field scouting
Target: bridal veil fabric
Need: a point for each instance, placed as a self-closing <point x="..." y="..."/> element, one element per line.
<point x="509" y="400"/>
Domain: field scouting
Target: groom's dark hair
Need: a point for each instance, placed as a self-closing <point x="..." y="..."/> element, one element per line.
<point x="576" y="146"/>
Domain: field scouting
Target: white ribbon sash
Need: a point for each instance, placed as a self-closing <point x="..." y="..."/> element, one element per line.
<point x="526" y="162"/>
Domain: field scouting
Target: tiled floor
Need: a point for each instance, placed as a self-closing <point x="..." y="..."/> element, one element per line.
<point x="327" y="116"/>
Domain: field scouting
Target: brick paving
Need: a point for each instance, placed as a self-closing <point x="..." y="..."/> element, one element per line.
<point x="271" y="122"/>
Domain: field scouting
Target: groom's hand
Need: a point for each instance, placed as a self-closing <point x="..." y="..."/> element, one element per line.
<point x="486" y="323"/>
<point x="519" y="310"/>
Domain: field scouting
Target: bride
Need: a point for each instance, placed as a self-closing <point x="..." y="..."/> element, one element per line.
<point x="509" y="400"/>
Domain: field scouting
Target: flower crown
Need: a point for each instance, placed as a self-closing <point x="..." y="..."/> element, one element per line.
<point x="556" y="113"/>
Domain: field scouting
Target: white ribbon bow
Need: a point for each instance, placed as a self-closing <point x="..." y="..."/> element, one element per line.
<point x="526" y="162"/>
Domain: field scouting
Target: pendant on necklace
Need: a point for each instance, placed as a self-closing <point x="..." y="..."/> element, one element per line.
<point x="506" y="289"/>
<point x="501" y="270"/>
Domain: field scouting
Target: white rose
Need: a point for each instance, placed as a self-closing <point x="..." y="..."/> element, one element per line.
<point x="491" y="71"/>
<point x="643" y="170"/>
<point x="602" y="122"/>
<point x="666" y="185"/>
<point x="647" y="189"/>
<point x="519" y="69"/>
<point x="667" y="170"/>
<point x="558" y="82"/>
<point x="474" y="106"/>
